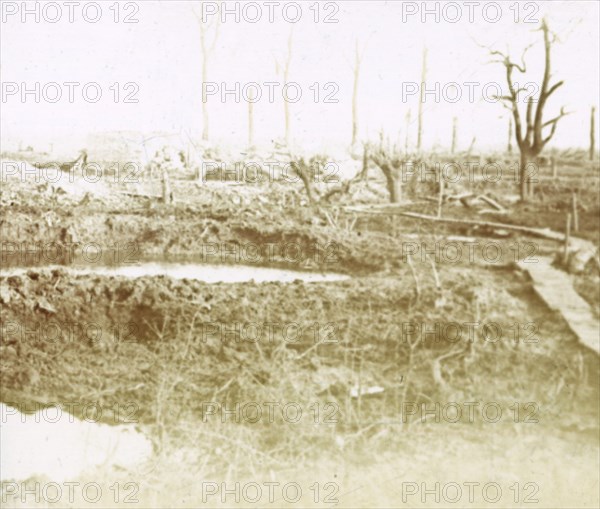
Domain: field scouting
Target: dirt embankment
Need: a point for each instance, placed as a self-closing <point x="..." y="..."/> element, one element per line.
<point x="114" y="339"/>
<point x="220" y="226"/>
<point x="278" y="213"/>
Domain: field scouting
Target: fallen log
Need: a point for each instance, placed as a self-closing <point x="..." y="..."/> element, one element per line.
<point x="493" y="211"/>
<point x="491" y="202"/>
<point x="390" y="209"/>
<point x="581" y="250"/>
<point x="461" y="196"/>
<point x="141" y="195"/>
<point x="538" y="232"/>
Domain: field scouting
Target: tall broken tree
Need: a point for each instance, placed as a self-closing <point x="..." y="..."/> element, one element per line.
<point x="454" y="128"/>
<point x="356" y="70"/>
<point x="251" y="100"/>
<point x="421" y="100"/>
<point x="407" y="118"/>
<point x="592" y="133"/>
<point x="286" y="74"/>
<point x="530" y="138"/>
<point x="207" y="51"/>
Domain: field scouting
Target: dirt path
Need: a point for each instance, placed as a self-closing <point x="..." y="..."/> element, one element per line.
<point x="555" y="287"/>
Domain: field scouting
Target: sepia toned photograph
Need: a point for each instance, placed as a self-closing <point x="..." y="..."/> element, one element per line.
<point x="299" y="254"/>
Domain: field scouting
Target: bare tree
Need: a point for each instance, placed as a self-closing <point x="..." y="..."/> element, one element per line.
<point x="530" y="140"/>
<point x="510" y="134"/>
<point x="422" y="99"/>
<point x="454" y="127"/>
<point x="207" y="51"/>
<point x="286" y="73"/>
<point x="406" y="138"/>
<point x="251" y="99"/>
<point x="357" y="62"/>
<point x="471" y="146"/>
<point x="592" y="133"/>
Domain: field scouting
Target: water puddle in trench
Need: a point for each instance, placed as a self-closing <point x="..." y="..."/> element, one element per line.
<point x="208" y="273"/>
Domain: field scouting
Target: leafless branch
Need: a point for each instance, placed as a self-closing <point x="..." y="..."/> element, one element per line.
<point x="554" y="123"/>
<point x="554" y="87"/>
<point x="557" y="118"/>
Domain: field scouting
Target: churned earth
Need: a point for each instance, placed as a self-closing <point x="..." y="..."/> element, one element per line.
<point x="385" y="374"/>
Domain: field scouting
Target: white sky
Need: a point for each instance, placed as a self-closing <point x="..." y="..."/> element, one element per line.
<point x="161" y="53"/>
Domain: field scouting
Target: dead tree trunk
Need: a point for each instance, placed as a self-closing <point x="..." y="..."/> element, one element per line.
<point x="530" y="140"/>
<point x="525" y="164"/>
<point x="593" y="133"/>
<point x="205" y="127"/>
<point x="421" y="100"/>
<point x="251" y="119"/>
<point x="286" y="102"/>
<point x="286" y="73"/>
<point x="365" y="162"/>
<point x="510" y="134"/>
<point x="394" y="185"/>
<point x="453" y="148"/>
<point x="207" y="51"/>
<point x="391" y="167"/>
<point x="408" y="117"/>
<point x="306" y="174"/>
<point x="357" y="62"/>
<point x="167" y="194"/>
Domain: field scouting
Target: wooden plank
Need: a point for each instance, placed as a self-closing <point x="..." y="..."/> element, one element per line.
<point x="390" y="209"/>
<point x="555" y="288"/>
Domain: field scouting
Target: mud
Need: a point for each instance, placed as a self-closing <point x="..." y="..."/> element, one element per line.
<point x="157" y="350"/>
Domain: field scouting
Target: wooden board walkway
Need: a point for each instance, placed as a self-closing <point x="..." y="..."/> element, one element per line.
<point x="555" y="288"/>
